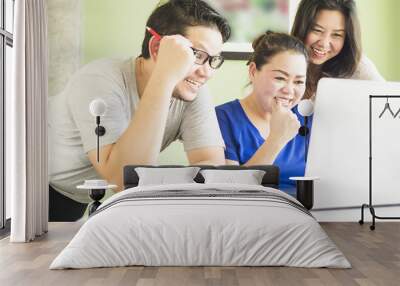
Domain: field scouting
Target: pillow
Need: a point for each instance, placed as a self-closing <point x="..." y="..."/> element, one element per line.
<point x="163" y="176"/>
<point x="248" y="177"/>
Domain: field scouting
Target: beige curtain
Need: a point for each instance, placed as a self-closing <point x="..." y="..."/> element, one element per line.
<point x="26" y="123"/>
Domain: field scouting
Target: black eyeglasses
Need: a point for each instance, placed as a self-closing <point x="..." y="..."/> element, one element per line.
<point x="202" y="57"/>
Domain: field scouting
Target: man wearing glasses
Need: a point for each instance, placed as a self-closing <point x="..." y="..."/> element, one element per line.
<point x="152" y="100"/>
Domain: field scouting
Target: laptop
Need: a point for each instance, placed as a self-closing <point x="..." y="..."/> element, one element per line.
<point x="339" y="144"/>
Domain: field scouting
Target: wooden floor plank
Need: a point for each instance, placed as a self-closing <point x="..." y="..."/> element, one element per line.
<point x="374" y="255"/>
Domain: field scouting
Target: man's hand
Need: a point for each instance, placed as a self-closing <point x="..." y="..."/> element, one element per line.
<point x="175" y="58"/>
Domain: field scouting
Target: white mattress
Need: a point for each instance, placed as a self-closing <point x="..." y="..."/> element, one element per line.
<point x="210" y="229"/>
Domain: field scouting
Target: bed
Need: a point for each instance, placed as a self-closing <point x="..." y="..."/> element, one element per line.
<point x="204" y="222"/>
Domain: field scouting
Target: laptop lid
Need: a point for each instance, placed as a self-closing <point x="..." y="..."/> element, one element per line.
<point x="339" y="144"/>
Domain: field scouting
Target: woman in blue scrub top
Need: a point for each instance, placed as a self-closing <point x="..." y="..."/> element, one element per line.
<point x="262" y="128"/>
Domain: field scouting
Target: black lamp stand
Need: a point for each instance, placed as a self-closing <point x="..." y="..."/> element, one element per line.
<point x="100" y="131"/>
<point x="96" y="195"/>
<point x="305" y="185"/>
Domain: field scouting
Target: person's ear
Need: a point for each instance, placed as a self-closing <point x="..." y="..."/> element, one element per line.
<point x="252" y="71"/>
<point x="154" y="45"/>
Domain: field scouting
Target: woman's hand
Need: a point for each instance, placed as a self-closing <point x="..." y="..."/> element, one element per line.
<point x="284" y="124"/>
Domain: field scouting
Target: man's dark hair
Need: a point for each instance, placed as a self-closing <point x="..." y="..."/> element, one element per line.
<point x="175" y="16"/>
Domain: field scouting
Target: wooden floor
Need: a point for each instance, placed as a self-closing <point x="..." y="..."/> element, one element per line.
<point x="374" y="255"/>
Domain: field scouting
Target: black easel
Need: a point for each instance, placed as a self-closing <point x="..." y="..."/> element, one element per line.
<point x="370" y="205"/>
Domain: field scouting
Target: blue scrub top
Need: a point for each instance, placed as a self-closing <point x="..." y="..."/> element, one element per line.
<point x="242" y="140"/>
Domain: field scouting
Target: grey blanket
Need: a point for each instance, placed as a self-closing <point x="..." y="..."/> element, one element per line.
<point x="198" y="224"/>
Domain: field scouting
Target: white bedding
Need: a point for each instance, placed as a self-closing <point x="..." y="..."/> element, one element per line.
<point x="210" y="229"/>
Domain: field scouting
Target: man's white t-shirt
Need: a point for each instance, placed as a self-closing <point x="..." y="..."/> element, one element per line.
<point x="72" y="127"/>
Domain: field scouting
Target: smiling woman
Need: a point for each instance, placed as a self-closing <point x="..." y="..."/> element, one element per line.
<point x="326" y="38"/>
<point x="330" y="30"/>
<point x="262" y="128"/>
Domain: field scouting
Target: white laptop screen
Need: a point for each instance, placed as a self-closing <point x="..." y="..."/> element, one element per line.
<point x="339" y="144"/>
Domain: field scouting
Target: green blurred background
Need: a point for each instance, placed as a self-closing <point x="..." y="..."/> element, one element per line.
<point x="111" y="30"/>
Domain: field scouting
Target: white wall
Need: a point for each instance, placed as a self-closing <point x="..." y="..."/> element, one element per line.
<point x="64" y="35"/>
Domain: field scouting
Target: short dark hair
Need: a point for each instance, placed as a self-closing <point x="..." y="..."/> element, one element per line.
<point x="175" y="16"/>
<point x="346" y="62"/>
<point x="270" y="43"/>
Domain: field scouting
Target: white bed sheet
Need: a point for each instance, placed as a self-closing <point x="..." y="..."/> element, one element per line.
<point x="183" y="231"/>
